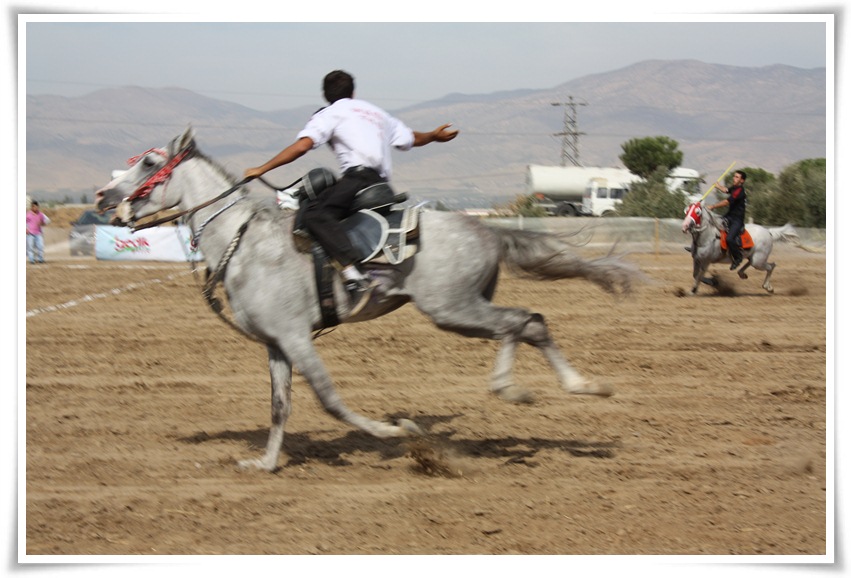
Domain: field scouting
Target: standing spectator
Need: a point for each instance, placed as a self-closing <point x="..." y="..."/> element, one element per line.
<point x="35" y="239"/>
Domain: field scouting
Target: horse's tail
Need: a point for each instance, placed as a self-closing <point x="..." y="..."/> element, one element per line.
<point x="788" y="234"/>
<point x="547" y="256"/>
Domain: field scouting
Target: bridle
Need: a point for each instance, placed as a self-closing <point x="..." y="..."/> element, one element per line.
<point x="702" y="219"/>
<point x="162" y="176"/>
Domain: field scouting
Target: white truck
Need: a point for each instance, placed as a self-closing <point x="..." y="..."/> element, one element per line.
<point x="563" y="191"/>
<point x="559" y="190"/>
<point x="603" y="195"/>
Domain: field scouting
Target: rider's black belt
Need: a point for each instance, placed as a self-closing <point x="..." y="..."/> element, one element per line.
<point x="361" y="171"/>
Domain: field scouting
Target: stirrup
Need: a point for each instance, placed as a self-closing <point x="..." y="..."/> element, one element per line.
<point x="360" y="292"/>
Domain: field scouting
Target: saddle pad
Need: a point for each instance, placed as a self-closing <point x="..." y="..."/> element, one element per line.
<point x="382" y="237"/>
<point x="747" y="240"/>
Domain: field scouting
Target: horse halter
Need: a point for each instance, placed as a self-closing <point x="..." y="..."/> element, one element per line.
<point x="161" y="176"/>
<point x="693" y="213"/>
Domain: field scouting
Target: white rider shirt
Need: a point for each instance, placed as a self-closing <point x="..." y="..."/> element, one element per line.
<point x="359" y="133"/>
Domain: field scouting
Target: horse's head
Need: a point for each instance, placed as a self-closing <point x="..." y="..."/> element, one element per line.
<point x="693" y="217"/>
<point x="131" y="192"/>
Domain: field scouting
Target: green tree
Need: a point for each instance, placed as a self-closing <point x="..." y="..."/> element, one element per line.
<point x="644" y="156"/>
<point x="651" y="198"/>
<point x="798" y="196"/>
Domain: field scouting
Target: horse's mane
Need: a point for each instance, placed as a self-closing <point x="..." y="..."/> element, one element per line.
<point x="714" y="220"/>
<point x="219" y="168"/>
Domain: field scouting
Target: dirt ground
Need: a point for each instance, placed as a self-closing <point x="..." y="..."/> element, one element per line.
<point x="139" y="402"/>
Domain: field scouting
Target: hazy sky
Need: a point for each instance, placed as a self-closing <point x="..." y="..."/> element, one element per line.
<point x="277" y="65"/>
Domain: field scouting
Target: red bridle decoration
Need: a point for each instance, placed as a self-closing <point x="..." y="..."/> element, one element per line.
<point x="693" y="212"/>
<point x="159" y="177"/>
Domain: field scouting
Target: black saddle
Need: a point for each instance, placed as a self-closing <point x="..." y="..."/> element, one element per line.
<point x="378" y="229"/>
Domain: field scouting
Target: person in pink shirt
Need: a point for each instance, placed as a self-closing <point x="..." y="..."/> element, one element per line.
<point x="35" y="239"/>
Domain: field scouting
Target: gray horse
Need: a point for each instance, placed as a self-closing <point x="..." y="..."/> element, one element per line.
<point x="706" y="228"/>
<point x="273" y="297"/>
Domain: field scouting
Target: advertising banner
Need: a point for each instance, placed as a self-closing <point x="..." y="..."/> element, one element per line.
<point x="155" y="244"/>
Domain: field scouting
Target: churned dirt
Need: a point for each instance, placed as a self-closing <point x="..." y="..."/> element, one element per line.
<point x="139" y="401"/>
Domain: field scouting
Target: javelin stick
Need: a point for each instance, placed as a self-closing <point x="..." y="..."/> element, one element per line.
<point x="717" y="181"/>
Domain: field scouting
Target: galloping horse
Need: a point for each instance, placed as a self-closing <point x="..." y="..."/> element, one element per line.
<point x="707" y="231"/>
<point x="274" y="299"/>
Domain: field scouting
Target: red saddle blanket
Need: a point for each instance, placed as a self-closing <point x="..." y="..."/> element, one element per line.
<point x="747" y="241"/>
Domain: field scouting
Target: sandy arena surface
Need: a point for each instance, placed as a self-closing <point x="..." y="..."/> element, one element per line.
<point x="139" y="402"/>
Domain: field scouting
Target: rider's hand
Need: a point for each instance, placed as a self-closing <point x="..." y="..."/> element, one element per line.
<point x="253" y="173"/>
<point x="442" y="134"/>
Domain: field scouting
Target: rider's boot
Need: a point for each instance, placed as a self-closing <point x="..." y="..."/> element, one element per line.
<point x="359" y="287"/>
<point x="736" y="260"/>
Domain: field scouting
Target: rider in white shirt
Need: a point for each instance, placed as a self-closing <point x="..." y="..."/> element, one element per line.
<point x="362" y="137"/>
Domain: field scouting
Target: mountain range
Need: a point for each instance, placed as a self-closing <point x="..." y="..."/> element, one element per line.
<point x="766" y="117"/>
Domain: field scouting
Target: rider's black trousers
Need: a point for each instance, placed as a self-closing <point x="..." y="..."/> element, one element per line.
<point x="735" y="228"/>
<point x="323" y="214"/>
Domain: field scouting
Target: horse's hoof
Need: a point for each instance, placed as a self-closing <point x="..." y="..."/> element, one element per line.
<point x="595" y="388"/>
<point x="743" y="275"/>
<point x="515" y="394"/>
<point x="255" y="464"/>
<point x="410" y="427"/>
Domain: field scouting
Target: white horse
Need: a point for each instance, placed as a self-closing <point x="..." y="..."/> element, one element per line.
<point x="274" y="298"/>
<point x="706" y="230"/>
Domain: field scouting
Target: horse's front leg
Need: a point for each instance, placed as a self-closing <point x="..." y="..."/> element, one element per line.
<point x="312" y="368"/>
<point x="698" y="272"/>
<point x="280" y="370"/>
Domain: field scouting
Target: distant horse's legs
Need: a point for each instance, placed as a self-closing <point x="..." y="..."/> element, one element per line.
<point x="769" y="268"/>
<point x="698" y="273"/>
<point x="759" y="260"/>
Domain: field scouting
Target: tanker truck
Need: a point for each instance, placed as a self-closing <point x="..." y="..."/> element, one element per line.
<point x="592" y="191"/>
<point x="559" y="190"/>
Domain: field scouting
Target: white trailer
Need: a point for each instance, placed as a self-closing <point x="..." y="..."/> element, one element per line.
<point x="560" y="189"/>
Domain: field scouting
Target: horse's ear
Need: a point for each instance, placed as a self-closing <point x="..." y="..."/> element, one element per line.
<point x="187" y="137"/>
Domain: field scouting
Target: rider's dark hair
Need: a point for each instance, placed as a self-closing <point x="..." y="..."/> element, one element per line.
<point x="338" y="84"/>
<point x="743" y="175"/>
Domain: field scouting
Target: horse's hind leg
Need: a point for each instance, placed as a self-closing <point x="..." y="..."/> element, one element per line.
<point x="280" y="370"/>
<point x="769" y="268"/>
<point x="511" y="326"/>
<point x="535" y="333"/>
